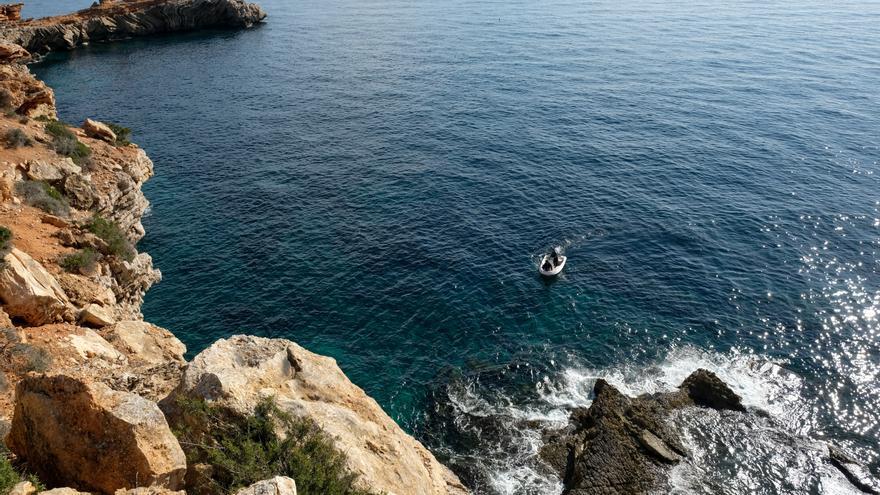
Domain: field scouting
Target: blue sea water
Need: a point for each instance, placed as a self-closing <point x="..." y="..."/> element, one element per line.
<point x="377" y="179"/>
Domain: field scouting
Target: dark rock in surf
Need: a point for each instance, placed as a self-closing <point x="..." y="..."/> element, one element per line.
<point x="623" y="445"/>
<point x="853" y="470"/>
<point x="706" y="389"/>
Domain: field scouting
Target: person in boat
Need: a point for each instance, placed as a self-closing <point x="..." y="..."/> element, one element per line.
<point x="555" y="257"/>
<point x="548" y="265"/>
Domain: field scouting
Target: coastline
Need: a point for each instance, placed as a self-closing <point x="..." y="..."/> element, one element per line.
<point x="88" y="323"/>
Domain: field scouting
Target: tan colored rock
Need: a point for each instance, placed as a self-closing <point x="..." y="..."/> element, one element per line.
<point x="30" y="96"/>
<point x="150" y="490"/>
<point x="91" y="345"/>
<point x="145" y="341"/>
<point x="99" y="130"/>
<point x="238" y="372"/>
<point x="63" y="491"/>
<point x="5" y="321"/>
<point x="51" y="171"/>
<point x="28" y="291"/>
<point x="96" y="315"/>
<point x="279" y="485"/>
<point x="23" y="488"/>
<point x="86" y="435"/>
<point x="11" y="53"/>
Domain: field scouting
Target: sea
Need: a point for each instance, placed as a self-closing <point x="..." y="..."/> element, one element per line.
<point x="378" y="179"/>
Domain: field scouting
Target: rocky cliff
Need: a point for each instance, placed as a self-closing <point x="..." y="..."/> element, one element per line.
<point x="81" y="373"/>
<point x="121" y="19"/>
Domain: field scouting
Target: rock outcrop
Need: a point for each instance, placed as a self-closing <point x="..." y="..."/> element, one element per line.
<point x="622" y="445"/>
<point x="25" y="93"/>
<point x="121" y="20"/>
<point x="87" y="436"/>
<point x="279" y="485"/>
<point x="99" y="130"/>
<point x="240" y="371"/>
<point x="29" y="292"/>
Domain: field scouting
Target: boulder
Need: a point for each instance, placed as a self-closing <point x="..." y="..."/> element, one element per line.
<point x="147" y="342"/>
<point x="99" y="130"/>
<point x="85" y="435"/>
<point x="706" y="389"/>
<point x="30" y="96"/>
<point x="12" y="53"/>
<point x="80" y="191"/>
<point x="29" y="292"/>
<point x="279" y="485"/>
<point x="23" y="488"/>
<point x="90" y="345"/>
<point x="63" y="491"/>
<point x="53" y="171"/>
<point x="97" y="316"/>
<point x="240" y="371"/>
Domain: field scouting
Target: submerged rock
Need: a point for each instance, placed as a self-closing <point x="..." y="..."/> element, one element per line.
<point x="860" y="477"/>
<point x="85" y="435"/>
<point x="706" y="389"/>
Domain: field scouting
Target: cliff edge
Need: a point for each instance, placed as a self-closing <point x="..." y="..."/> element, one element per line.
<point x="82" y="376"/>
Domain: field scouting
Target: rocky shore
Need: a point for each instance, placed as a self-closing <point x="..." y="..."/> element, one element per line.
<point x="93" y="399"/>
<point x="120" y="19"/>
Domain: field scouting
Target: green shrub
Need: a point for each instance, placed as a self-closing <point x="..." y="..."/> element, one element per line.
<point x="64" y="142"/>
<point x="15" y="137"/>
<point x="5" y="238"/>
<point x="43" y="196"/>
<point x="82" y="260"/>
<point x="109" y="231"/>
<point x="9" y="476"/>
<point x="242" y="451"/>
<point x="123" y="134"/>
<point x="6" y="98"/>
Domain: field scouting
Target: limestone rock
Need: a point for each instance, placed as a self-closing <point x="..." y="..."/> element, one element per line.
<point x="51" y="171"/>
<point x="63" y="491"/>
<point x="97" y="316"/>
<point x="29" y="292"/>
<point x="11" y="53"/>
<point x="79" y="191"/>
<point x="279" y="485"/>
<point x="238" y="372"/>
<point x="99" y="130"/>
<point x="30" y="96"/>
<point x="85" y="435"/>
<point x="90" y="345"/>
<point x="23" y="488"/>
<point x="706" y="389"/>
<point x="145" y="341"/>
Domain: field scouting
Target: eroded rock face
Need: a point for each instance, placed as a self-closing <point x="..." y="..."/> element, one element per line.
<point x="30" y="96"/>
<point x="147" y="342"/>
<point x="29" y="292"/>
<point x="622" y="445"/>
<point x="87" y="436"/>
<point x="131" y="19"/>
<point x="238" y="372"/>
<point x="279" y="485"/>
<point x="99" y="130"/>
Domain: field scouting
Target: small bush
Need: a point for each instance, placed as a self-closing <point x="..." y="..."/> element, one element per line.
<point x="43" y="196"/>
<point x="5" y="238"/>
<point x="242" y="451"/>
<point x="117" y="242"/>
<point x="15" y="137"/>
<point x="123" y="134"/>
<point x="81" y="261"/>
<point x="6" y="98"/>
<point x="9" y="476"/>
<point x="64" y="142"/>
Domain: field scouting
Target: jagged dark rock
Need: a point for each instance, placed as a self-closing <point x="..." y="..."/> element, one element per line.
<point x="856" y="473"/>
<point x="125" y="19"/>
<point x="623" y="445"/>
<point x="706" y="389"/>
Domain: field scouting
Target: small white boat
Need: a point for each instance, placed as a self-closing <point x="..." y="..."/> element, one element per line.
<point x="552" y="263"/>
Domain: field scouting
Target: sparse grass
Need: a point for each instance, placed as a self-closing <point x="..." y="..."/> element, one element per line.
<point x="5" y="238"/>
<point x="242" y="451"/>
<point x="81" y="261"/>
<point x="64" y="142"/>
<point x="43" y="196"/>
<point x="123" y="134"/>
<point x="109" y="231"/>
<point x="15" y="137"/>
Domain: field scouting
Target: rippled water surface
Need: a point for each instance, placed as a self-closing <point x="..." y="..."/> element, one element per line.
<point x="376" y="179"/>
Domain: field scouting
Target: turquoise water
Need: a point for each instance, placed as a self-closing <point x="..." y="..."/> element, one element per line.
<point x="376" y="180"/>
